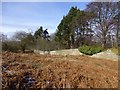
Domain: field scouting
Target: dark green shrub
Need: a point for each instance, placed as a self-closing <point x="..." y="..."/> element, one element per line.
<point x="90" y="50"/>
<point x="12" y="46"/>
<point x="4" y="46"/>
<point x="22" y="47"/>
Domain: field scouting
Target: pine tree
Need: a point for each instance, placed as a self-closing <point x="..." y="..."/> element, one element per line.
<point x="39" y="32"/>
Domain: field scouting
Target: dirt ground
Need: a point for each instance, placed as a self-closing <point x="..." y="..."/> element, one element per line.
<point x="20" y="71"/>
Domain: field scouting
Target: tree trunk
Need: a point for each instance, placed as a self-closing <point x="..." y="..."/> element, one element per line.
<point x="69" y="44"/>
<point x="116" y="44"/>
<point x="103" y="41"/>
<point x="72" y="41"/>
<point x="112" y="42"/>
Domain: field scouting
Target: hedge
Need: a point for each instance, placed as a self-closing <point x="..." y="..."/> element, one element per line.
<point x="90" y="50"/>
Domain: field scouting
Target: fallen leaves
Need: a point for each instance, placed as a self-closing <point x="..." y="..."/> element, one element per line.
<point x="51" y="71"/>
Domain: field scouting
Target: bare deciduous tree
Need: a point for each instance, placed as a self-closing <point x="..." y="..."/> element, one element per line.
<point x="105" y="12"/>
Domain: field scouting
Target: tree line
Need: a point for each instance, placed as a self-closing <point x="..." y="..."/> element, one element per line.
<point x="98" y="25"/>
<point x="22" y="41"/>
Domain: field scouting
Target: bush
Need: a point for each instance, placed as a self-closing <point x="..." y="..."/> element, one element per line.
<point x="90" y="50"/>
<point x="12" y="46"/>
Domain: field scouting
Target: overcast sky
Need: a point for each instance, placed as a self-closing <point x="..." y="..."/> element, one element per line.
<point x="29" y="16"/>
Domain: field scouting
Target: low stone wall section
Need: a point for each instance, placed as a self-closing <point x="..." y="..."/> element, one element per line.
<point x="60" y="52"/>
<point x="108" y="54"/>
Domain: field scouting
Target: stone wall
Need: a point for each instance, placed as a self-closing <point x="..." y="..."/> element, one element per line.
<point x="108" y="54"/>
<point x="60" y="52"/>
